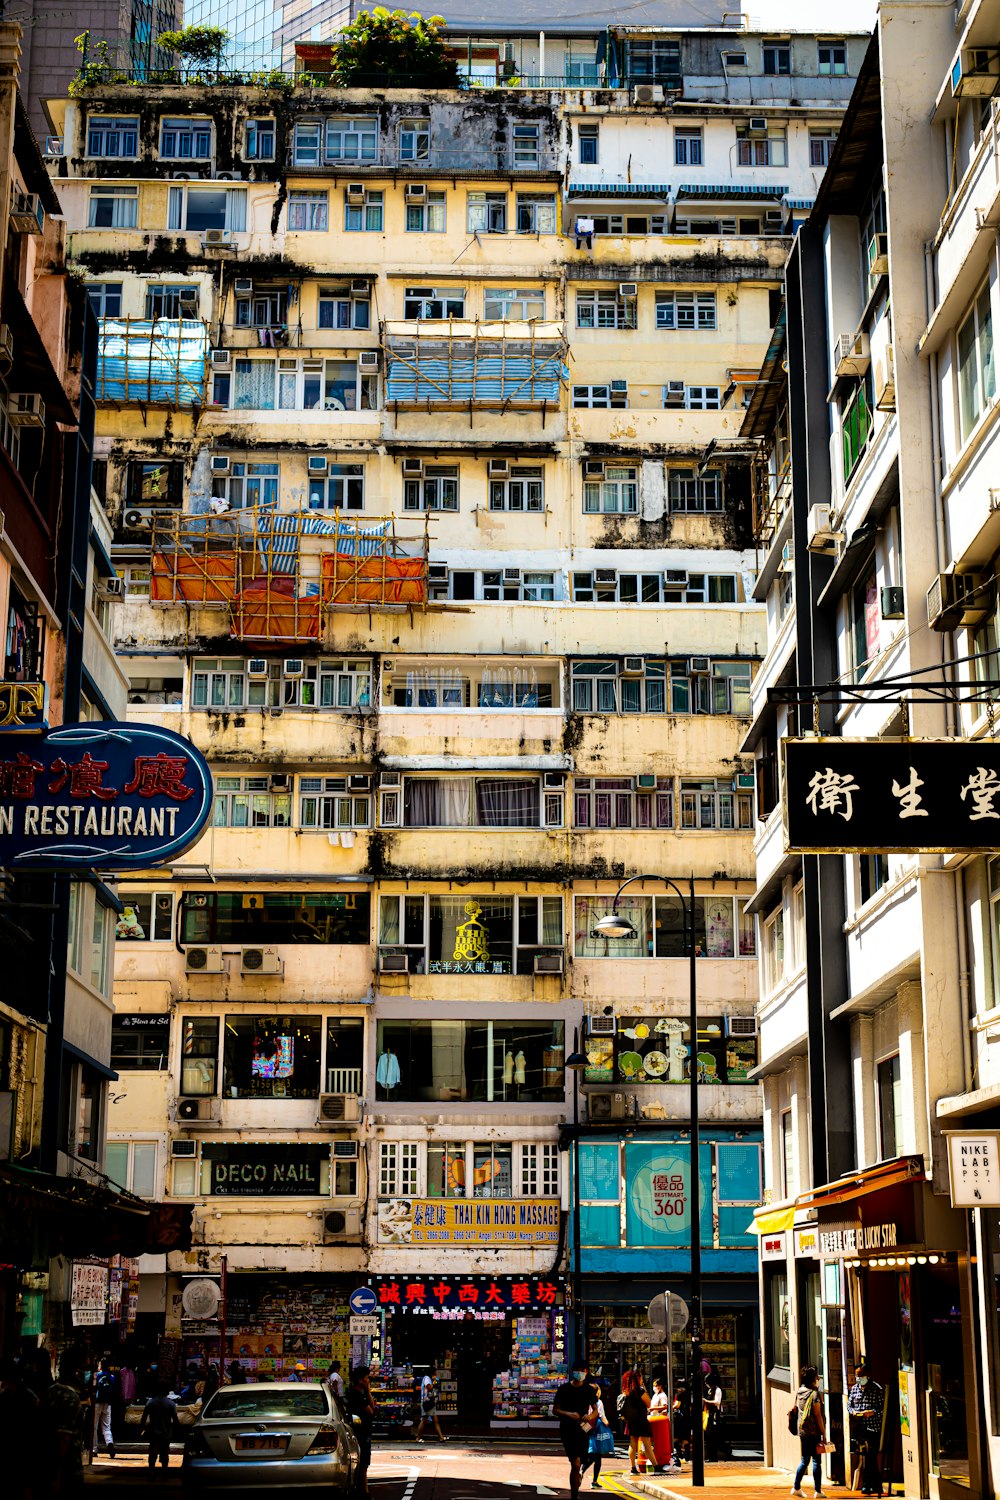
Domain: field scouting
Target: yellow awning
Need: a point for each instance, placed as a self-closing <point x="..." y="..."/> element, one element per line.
<point x="772" y="1221"/>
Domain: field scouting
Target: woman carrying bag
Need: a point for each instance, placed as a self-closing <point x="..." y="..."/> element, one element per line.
<point x="602" y="1439"/>
<point x="633" y="1408"/>
<point x="812" y="1430"/>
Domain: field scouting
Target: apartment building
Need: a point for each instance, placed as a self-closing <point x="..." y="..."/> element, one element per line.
<point x="418" y="426"/>
<point x="877" y="560"/>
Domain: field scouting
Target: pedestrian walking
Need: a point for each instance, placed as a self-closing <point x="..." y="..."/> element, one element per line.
<point x="160" y="1420"/>
<point x="63" y="1412"/>
<point x="335" y="1380"/>
<point x="633" y="1408"/>
<point x="299" y="1373"/>
<point x="714" y="1417"/>
<point x="812" y="1430"/>
<point x="575" y="1407"/>
<point x="361" y="1410"/>
<point x="105" y="1395"/>
<point x="602" y="1439"/>
<point x="428" y="1406"/>
<point x="866" y="1403"/>
<point x="680" y="1422"/>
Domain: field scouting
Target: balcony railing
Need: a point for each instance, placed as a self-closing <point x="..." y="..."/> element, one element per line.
<point x="343" y="1080"/>
<point x="856" y="426"/>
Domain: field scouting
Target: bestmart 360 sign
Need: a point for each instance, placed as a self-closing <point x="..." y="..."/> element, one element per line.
<point x="101" y="796"/>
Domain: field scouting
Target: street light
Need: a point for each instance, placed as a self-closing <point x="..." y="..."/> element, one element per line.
<point x="576" y="1062"/>
<point x="615" y="926"/>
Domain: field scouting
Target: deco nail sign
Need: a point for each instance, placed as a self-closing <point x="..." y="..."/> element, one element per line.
<point x="102" y="796"/>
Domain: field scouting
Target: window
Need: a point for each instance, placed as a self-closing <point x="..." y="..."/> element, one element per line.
<point x="773" y="949"/>
<point x="540" y="1170"/>
<point x="249" y="802"/>
<point x="513" y="304"/>
<point x="436" y="490"/>
<point x="139" y="1043"/>
<point x="148" y="917"/>
<point x="605" y="310"/>
<point x="186" y="140"/>
<point x="479" y="684"/>
<point x="714" y="804"/>
<point x="789" y="1180"/>
<point x="414" y="140"/>
<point x="531" y="587"/>
<point x="486" y="213"/>
<point x="429" y="217"/>
<point x="471" y="802"/>
<point x="198" y="209"/>
<point x="132" y="1165"/>
<point x="689" y="490"/>
<point x="270" y="1057"/>
<point x="345" y="1051"/>
<point x="314" y="384"/>
<point x="248" y="484"/>
<point x="821" y="144"/>
<point x="471" y="934"/>
<point x="777" y="58"/>
<point x="601" y="397"/>
<point x="398" y="1169"/>
<point x="113" y="207"/>
<point x="717" y="687"/>
<point x="308" y="211"/>
<point x="327" y="802"/>
<point x="199" y="1056"/>
<point x="536" y="213"/>
<point x="493" y="1062"/>
<point x="588" y="139"/>
<point x="661" y="932"/>
<point x="446" y="1173"/>
<point x="105" y="298"/>
<point x="873" y="874"/>
<point x="224" y="683"/>
<point x="687" y="146"/>
<point x="365" y="217"/>
<point x="84" y="1110"/>
<point x="307" y="143"/>
<point x="166" y="301"/>
<point x="352" y="139"/>
<point x="685" y="310"/>
<point x="856" y="426"/>
<point x="524" y="490"/>
<point x="112" y="136"/>
<point x="606" y="586"/>
<point x="889" y="1091"/>
<point x="616" y="493"/>
<point x="601" y="687"/>
<point x="769" y="150"/>
<point x="696" y="398"/>
<point x="275" y="917"/>
<point x="657" y="60"/>
<point x="266" y="307"/>
<point x="832" y="58"/>
<point x="101" y="948"/>
<point x="433" y="304"/>
<point x="865" y="618"/>
<point x="614" y="802"/>
<point x="778" y="1317"/>
<point x="631" y="224"/>
<point x="258" y="140"/>
<point x="525" y="142"/>
<point x="339" y="310"/>
<point x="977" y="384"/>
<point x="342" y="487"/>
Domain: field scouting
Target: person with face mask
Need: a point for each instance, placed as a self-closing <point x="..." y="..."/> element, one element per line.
<point x="576" y="1407"/>
<point x="865" y="1404"/>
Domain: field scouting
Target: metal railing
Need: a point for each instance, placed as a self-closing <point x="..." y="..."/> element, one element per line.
<point x="343" y="1080"/>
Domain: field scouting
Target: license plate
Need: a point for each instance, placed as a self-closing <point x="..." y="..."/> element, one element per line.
<point x="245" y="1444"/>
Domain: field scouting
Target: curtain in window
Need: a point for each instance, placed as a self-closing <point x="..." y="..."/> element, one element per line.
<point x="508" y="687"/>
<point x="552" y="925"/>
<point x="175" y="208"/>
<point x="388" y="919"/>
<point x="507" y="804"/>
<point x="254" y="385"/>
<point x="236" y="210"/>
<point x="438" y="803"/>
<point x="589" y="909"/>
<point x="435" y="687"/>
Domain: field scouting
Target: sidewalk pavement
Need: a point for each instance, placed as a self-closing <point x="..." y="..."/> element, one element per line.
<point x="724" y="1481"/>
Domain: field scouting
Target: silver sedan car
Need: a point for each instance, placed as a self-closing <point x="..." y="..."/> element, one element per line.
<point x="276" y="1434"/>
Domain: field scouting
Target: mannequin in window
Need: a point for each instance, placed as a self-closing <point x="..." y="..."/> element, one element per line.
<point x="508" y="1069"/>
<point x="520" y="1063"/>
<point x="387" y="1072"/>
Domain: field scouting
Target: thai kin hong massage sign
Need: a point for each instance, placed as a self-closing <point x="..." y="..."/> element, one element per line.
<point x="102" y="796"/>
<point x="525" y="1222"/>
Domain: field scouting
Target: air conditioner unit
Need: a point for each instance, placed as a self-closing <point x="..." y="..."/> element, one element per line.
<point x="217" y="237"/>
<point x="260" y="961"/>
<point x="183" y="1148"/>
<point x="628" y="289"/>
<point x="553" y="962"/>
<point x="293" y="666"/>
<point x="676" y="577"/>
<point x="243" y="286"/>
<point x="743" y="781"/>
<point x="853" y="354"/>
<point x="976" y="71"/>
<point x="955" y="599"/>
<point x="361" y="289"/>
<point x="341" y="1225"/>
<point x="338" y="1107"/>
<point x="204" y="961"/>
<point x="112" y="588"/>
<point x="189" y="296"/>
<point x="648" y="93"/>
<point x="554" y="780"/>
<point x="593" y="468"/>
<point x="620" y="386"/>
<point x="183" y="176"/>
<point x="204" y="1111"/>
<point x="512" y="575"/>
<point x="885" y="381"/>
<point x="222" y="359"/>
<point x="416" y="192"/>
<point x="368" y="361"/>
<point x="757" y="125"/>
<point x="359" y="783"/>
<point x="498" y="468"/>
<point x="741" y="1025"/>
<point x="390" y="778"/>
<point x="634" y="666"/>
<point x="645" y="782"/>
<point x="6" y="346"/>
<point x="412" y="468"/>
<point x="892" y="602"/>
<point x="699" y="666"/>
<point x="317" y="463"/>
<point x="394" y="963"/>
<point x="25" y="409"/>
<point x="821" y="535"/>
<point x="137" y="520"/>
<point x="605" y="575"/>
<point x="220" y="463"/>
<point x="602" y="1025"/>
<point x="787" y="563"/>
<point x="27" y="215"/>
<point x="878" y="255"/>
<point x="229" y="176"/>
<point x="355" y="192"/>
<point x="437" y="572"/>
<point x="280" y="782"/>
<point x="774" y="221"/>
<point x="610" y="1107"/>
<point x="674" y="393"/>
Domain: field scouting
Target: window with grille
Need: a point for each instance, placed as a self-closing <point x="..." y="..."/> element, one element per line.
<point x="398" y="1169"/>
<point x="113" y="136"/>
<point x="617" y="802"/>
<point x="605" y="310"/>
<point x="690" y="491"/>
<point x="524" y="490"/>
<point x="437" y="489"/>
<point x="616" y="493"/>
<point x="186" y="140"/>
<point x="540" y="1170"/>
<point x="685" y="310"/>
<point x="327" y="802"/>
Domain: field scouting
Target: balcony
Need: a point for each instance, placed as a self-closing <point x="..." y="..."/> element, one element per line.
<point x="464" y="365"/>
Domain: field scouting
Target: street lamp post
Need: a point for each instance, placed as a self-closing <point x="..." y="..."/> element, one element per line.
<point x="614" y="926"/>
<point x="576" y="1062"/>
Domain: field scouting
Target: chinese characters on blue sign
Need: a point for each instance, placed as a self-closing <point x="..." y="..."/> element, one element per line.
<point x="102" y="796"/>
<point x="887" y="795"/>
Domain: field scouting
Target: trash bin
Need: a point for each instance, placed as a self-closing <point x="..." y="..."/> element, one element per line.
<point x="659" y="1426"/>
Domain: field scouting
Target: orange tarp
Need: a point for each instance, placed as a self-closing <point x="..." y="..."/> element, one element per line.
<point x="346" y="579"/>
<point x="270" y="611"/>
<point x="183" y="577"/>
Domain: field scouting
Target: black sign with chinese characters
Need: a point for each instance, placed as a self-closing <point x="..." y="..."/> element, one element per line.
<point x="883" y="796"/>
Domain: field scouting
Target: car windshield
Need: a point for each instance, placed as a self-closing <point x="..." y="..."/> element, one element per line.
<point x="279" y="1402"/>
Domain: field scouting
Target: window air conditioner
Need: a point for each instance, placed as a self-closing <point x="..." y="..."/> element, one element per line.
<point x="412" y="468"/>
<point x="280" y="782"/>
<point x="341" y="1225"/>
<point x="498" y="468"/>
<point x="54" y="146"/>
<point x="741" y="1025"/>
<point x="112" y="588"/>
<point x="243" y="287"/>
<point x="674" y="393"/>
<point x="976" y="71"/>
<point x="610" y="1107"/>
<point x="6" y="346"/>
<point x="416" y="192"/>
<point x="183" y="1148"/>
<point x="25" y="409"/>
<point x="602" y="1025"/>
<point x="743" y="781"/>
<point x="204" y="961"/>
<point x="853" y="354"/>
<point x="648" y="93"/>
<point x="628" y="289"/>
<point x="394" y="963"/>
<point x="774" y="221"/>
<point x="645" y="782"/>
<point x="260" y="961"/>
<point x="955" y="599"/>
<point x="355" y="192"/>
<point x="317" y="463"/>
<point x="222" y="359"/>
<point x="360" y="783"/>
<point x="389" y="778"/>
<point x="620" y="387"/>
<point x="605" y="575"/>
<point x="220" y="463"/>
<point x="878" y="255"/>
<point x="554" y="779"/>
<point x="550" y="963"/>
<point x="335" y="1108"/>
<point x="699" y="666"/>
<point x="757" y="125"/>
<point x="634" y="666"/>
<point x="676" y="576"/>
<point x="361" y="289"/>
<point x="27" y="215"/>
<point x="437" y="572"/>
<point x="293" y="666"/>
<point x="190" y="297"/>
<point x="368" y="361"/>
<point x="593" y="468"/>
<point x="512" y="575"/>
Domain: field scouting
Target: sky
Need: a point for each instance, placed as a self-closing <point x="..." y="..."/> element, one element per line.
<point x="810" y="15"/>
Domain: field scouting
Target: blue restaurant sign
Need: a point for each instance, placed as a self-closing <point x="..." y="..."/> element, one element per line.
<point x="102" y="796"/>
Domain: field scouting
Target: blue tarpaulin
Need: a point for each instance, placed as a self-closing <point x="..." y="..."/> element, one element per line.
<point x="520" y="379"/>
<point x="278" y="538"/>
<point x="160" y="362"/>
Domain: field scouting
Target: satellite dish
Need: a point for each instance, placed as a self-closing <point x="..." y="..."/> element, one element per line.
<point x="201" y="1298"/>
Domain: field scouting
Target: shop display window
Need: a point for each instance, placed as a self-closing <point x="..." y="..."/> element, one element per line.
<point x="200" y="1055"/>
<point x="492" y="1061"/>
<point x="345" y="1046"/>
<point x="446" y="1170"/>
<point x="267" y="1057"/>
<point x="657" y="1050"/>
<point x="148" y="917"/>
<point x="470" y="934"/>
<point x="139" y="1042"/>
<point x="721" y="928"/>
<point x="269" y="917"/>
<point x="777" y="1314"/>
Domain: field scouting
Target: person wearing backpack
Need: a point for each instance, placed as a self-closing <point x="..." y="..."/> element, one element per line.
<point x="633" y="1408"/>
<point x="812" y="1430"/>
<point x="104" y="1396"/>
